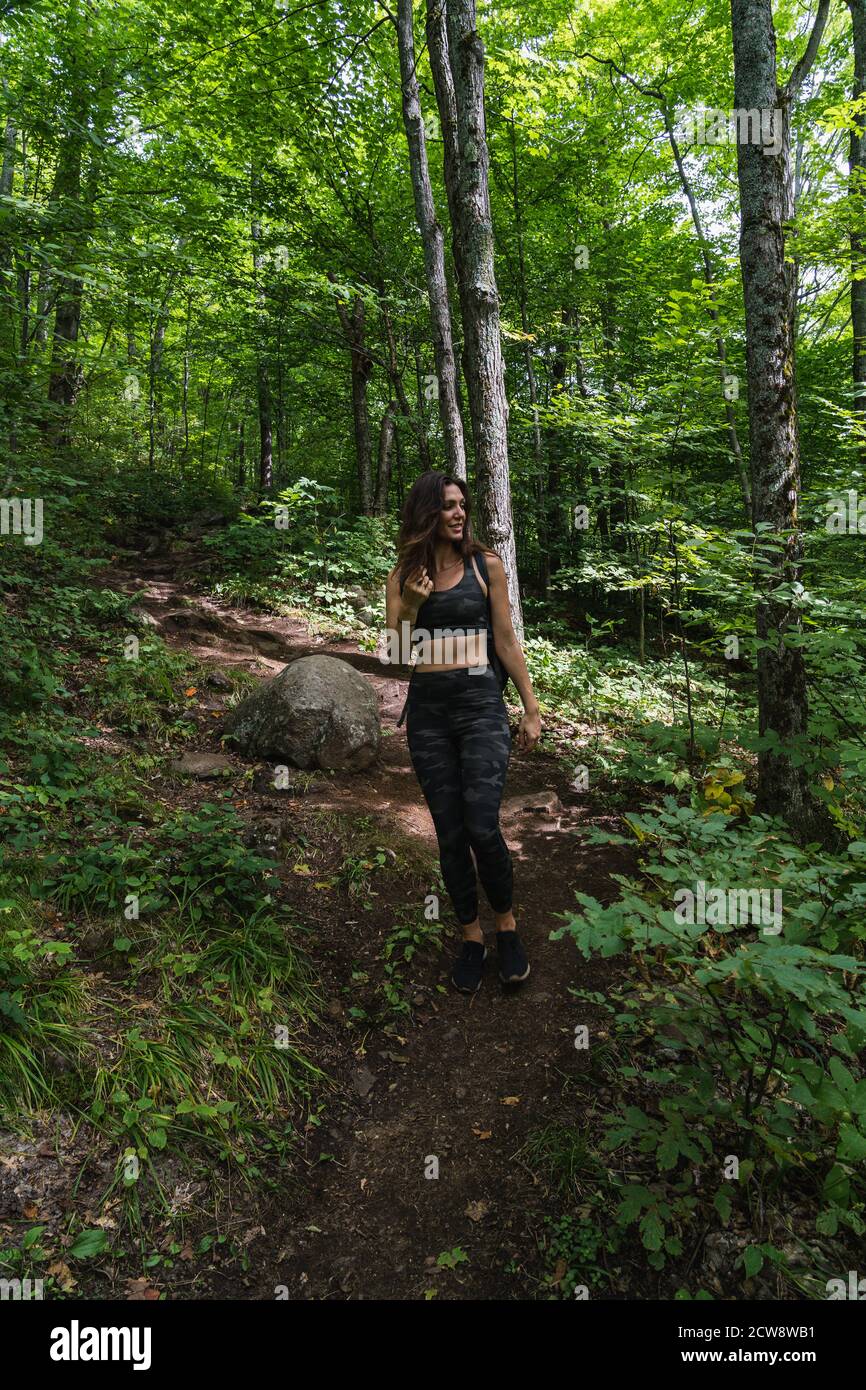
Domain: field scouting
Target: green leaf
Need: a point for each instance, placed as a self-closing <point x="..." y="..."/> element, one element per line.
<point x="87" y="1244"/>
<point x="753" y="1259"/>
<point x="722" y="1204"/>
<point x="652" y="1231"/>
<point x="852" y="1144"/>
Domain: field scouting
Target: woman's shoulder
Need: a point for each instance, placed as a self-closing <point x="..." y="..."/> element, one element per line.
<point x="491" y="559"/>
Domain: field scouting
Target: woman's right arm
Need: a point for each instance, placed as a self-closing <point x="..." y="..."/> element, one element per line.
<point x="401" y="610"/>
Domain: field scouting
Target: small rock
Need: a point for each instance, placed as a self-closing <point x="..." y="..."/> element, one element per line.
<point x="364" y="1081"/>
<point x="143" y="618"/>
<point x="267" y="833"/>
<point x="544" y="802"/>
<point x="269" y="644"/>
<point x="197" y="618"/>
<point x="204" y="766"/>
<point x="217" y="681"/>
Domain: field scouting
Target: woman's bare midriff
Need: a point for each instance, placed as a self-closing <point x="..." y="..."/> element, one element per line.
<point x="452" y="652"/>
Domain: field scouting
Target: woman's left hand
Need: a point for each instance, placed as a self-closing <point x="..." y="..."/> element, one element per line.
<point x="528" y="732"/>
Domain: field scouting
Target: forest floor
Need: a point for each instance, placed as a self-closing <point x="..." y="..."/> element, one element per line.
<point x="418" y="1077"/>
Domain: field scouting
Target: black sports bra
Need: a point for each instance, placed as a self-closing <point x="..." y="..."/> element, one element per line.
<point x="460" y="609"/>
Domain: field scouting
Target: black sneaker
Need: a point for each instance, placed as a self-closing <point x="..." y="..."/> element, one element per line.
<point x="513" y="965"/>
<point x="469" y="967"/>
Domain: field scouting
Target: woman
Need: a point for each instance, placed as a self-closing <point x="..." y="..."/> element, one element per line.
<point x="452" y="592"/>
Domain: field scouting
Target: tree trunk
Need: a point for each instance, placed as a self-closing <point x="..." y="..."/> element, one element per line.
<point x="764" y="183"/>
<point x="555" y="451"/>
<point x="446" y="104"/>
<point x="433" y="244"/>
<point x="263" y="381"/>
<point x="469" y="206"/>
<point x="7" y="219"/>
<point x="157" y="347"/>
<point x="66" y="192"/>
<point x="396" y="377"/>
<point x="537" y="446"/>
<point x="710" y="280"/>
<point x="857" y="188"/>
<point x="78" y="219"/>
<point x="361" y="366"/>
<point x="386" y="443"/>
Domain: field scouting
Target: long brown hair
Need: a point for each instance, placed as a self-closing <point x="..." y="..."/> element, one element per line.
<point x="419" y="519"/>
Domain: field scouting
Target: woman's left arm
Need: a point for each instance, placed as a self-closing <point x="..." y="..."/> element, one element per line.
<point x="510" y="653"/>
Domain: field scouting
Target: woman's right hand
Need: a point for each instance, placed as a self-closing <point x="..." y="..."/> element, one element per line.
<point x="417" y="590"/>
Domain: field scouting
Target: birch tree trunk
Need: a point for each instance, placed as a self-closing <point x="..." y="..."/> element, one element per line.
<point x="469" y="207"/>
<point x="765" y="199"/>
<point x="433" y="243"/>
<point x="713" y="311"/>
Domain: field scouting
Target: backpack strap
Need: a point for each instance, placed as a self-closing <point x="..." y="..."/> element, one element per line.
<point x="481" y="576"/>
<point x="484" y="580"/>
<point x="484" y="576"/>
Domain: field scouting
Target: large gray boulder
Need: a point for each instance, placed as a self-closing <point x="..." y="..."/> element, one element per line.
<point x="318" y="712"/>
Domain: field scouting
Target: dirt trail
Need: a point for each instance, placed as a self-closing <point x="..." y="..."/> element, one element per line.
<point x="463" y="1083"/>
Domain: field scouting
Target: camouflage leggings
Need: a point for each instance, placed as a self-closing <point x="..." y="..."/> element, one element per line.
<point x="460" y="744"/>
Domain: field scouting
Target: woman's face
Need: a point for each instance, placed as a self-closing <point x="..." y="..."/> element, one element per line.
<point x="452" y="518"/>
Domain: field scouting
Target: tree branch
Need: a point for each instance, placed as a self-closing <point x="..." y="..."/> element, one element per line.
<point x="801" y="69"/>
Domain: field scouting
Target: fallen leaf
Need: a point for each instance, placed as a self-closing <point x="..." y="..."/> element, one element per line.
<point x="63" y="1274"/>
<point x="559" y="1272"/>
<point x="139" y="1290"/>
